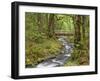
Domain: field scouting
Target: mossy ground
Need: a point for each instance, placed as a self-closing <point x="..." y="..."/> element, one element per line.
<point x="37" y="52"/>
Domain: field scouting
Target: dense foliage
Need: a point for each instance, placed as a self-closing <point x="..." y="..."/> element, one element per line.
<point x="41" y="40"/>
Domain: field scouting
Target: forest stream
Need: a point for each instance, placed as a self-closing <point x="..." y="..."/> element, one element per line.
<point x="61" y="58"/>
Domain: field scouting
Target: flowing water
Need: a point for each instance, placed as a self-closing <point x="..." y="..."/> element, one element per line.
<point x="61" y="58"/>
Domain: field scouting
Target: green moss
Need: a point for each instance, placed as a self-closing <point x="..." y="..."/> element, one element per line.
<point x="78" y="57"/>
<point x="36" y="52"/>
<point x="70" y="63"/>
<point x="80" y="54"/>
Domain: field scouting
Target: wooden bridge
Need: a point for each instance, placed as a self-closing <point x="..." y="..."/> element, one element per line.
<point x="63" y="34"/>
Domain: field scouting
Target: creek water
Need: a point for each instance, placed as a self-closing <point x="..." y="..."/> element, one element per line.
<point x="61" y="58"/>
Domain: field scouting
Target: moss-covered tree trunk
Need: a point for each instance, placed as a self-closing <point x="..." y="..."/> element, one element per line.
<point x="51" y="25"/>
<point x="77" y="29"/>
<point x="83" y="26"/>
<point x="40" y="22"/>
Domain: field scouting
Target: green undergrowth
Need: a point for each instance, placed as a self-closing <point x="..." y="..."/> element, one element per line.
<point x="80" y="54"/>
<point x="37" y="52"/>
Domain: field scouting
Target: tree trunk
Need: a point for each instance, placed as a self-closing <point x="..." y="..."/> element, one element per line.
<point x="83" y="26"/>
<point x="51" y="25"/>
<point x="39" y="22"/>
<point x="77" y="29"/>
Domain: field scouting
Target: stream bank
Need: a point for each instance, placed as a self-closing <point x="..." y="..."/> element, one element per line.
<point x="61" y="58"/>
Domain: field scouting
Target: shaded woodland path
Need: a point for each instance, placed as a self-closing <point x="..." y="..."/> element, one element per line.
<point x="61" y="58"/>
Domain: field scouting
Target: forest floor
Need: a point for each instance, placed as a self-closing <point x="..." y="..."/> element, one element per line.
<point x="37" y="52"/>
<point x="50" y="48"/>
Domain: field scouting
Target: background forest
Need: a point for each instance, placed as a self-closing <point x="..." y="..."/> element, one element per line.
<point x="41" y="37"/>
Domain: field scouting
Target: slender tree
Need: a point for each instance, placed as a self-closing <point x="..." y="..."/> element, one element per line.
<point x="83" y="26"/>
<point x="77" y="28"/>
<point x="51" y="25"/>
<point x="40" y="22"/>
